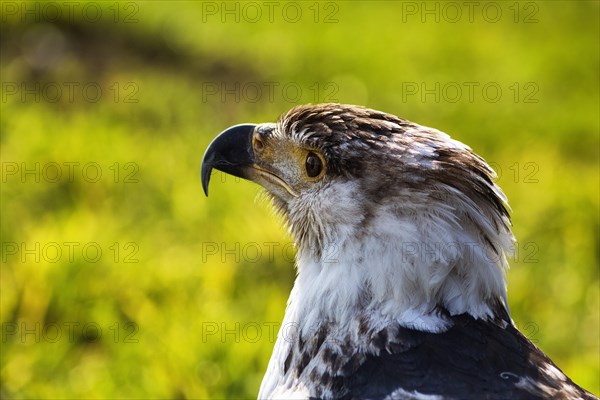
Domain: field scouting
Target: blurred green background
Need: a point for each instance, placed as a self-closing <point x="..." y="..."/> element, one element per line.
<point x="119" y="279"/>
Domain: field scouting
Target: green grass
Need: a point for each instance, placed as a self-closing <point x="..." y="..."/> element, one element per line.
<point x="183" y="312"/>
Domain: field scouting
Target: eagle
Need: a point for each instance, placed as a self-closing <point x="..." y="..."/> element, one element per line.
<point x="402" y="240"/>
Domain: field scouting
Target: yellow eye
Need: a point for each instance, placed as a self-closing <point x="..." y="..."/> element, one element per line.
<point x="258" y="143"/>
<point x="313" y="165"/>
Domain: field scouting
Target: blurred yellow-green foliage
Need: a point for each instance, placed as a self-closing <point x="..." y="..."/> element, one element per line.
<point x="120" y="279"/>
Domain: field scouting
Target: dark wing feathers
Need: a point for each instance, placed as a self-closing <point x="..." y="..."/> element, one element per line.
<point x="475" y="359"/>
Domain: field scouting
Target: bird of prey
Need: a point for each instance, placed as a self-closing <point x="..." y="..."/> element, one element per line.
<point x="402" y="241"/>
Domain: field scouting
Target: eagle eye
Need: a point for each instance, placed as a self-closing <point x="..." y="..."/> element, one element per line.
<point x="257" y="143"/>
<point x="314" y="165"/>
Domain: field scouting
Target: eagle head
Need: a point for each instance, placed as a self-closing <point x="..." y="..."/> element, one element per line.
<point x="389" y="217"/>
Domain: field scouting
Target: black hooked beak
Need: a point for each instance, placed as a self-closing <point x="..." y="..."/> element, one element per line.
<point x="230" y="152"/>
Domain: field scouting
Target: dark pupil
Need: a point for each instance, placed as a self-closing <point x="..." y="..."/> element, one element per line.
<point x="313" y="165"/>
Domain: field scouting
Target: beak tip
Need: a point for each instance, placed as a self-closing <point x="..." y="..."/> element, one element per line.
<point x="205" y="176"/>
